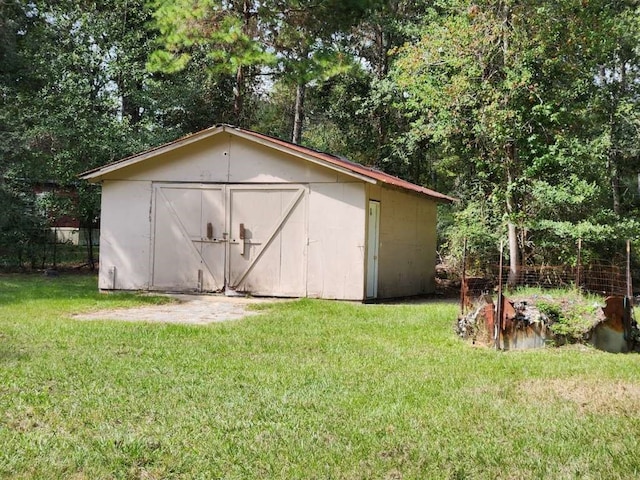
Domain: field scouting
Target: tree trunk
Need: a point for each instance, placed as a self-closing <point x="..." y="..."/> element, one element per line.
<point x="514" y="251"/>
<point x="298" y="114"/>
<point x="130" y="109"/>
<point x="613" y="157"/>
<point x="240" y="87"/>
<point x="381" y="113"/>
<point x="91" y="261"/>
<point x="506" y="27"/>
<point x="238" y="96"/>
<point x="382" y="64"/>
<point x="614" y="181"/>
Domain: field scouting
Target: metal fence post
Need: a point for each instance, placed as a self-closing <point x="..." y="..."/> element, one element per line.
<point x="498" y="321"/>
<point x="579" y="263"/>
<point x="629" y="280"/>
<point x="463" y="280"/>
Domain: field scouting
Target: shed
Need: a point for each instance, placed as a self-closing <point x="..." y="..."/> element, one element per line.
<point x="228" y="209"/>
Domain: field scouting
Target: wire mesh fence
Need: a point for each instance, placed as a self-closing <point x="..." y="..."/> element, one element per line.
<point x="479" y="276"/>
<point x="47" y="248"/>
<point x="595" y="278"/>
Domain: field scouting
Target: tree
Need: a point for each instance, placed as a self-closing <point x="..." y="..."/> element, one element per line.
<point x="226" y="35"/>
<point x="501" y="90"/>
<point x="294" y="41"/>
<point x="617" y="96"/>
<point x="309" y="39"/>
<point x="73" y="107"/>
<point x="385" y="28"/>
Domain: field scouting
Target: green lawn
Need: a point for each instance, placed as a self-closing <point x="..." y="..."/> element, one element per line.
<point x="309" y="389"/>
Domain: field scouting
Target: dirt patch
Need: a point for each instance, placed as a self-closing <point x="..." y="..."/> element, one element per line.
<point x="188" y="309"/>
<point x="589" y="396"/>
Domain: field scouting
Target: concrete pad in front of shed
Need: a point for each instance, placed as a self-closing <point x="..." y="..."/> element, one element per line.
<point x="189" y="309"/>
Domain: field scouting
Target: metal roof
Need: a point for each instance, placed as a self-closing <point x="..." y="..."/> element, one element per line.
<point x="331" y="161"/>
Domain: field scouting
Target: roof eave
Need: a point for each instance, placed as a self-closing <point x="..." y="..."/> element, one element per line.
<point x="422" y="192"/>
<point x="96" y="174"/>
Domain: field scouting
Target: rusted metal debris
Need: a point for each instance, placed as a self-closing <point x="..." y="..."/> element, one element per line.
<point x="617" y="331"/>
<point x="471" y="288"/>
<point x="520" y="325"/>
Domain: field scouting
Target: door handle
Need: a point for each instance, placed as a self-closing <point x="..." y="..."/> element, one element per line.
<point x="243" y="239"/>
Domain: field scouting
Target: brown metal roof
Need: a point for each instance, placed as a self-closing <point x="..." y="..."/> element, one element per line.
<point x="324" y="158"/>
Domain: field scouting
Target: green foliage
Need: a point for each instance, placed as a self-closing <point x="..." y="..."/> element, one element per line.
<point x="22" y="227"/>
<point x="225" y="30"/>
<point x="518" y="108"/>
<point x="336" y="122"/>
<point x="473" y="225"/>
<point x="529" y="120"/>
<point x="67" y="109"/>
<point x="573" y="327"/>
<point x="552" y="311"/>
<point x="296" y="42"/>
<point x="571" y="319"/>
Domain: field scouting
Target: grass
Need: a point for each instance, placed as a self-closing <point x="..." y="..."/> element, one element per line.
<point x="308" y="389"/>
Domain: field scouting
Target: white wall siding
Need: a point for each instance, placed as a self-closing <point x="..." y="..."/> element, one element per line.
<point x="125" y="235"/>
<point x="225" y="159"/>
<point x="336" y="241"/>
<point x="407" y="243"/>
<point x="255" y="163"/>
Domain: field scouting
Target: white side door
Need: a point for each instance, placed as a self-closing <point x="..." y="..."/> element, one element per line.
<point x="373" y="245"/>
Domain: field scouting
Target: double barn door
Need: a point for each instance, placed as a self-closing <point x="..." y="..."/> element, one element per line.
<point x="245" y="238"/>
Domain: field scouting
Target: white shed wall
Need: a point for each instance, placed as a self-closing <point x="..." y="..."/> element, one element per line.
<point x="125" y="235"/>
<point x="336" y="241"/>
<point x="226" y="159"/>
<point x="255" y="163"/>
<point x="407" y="243"/>
<point x="335" y="209"/>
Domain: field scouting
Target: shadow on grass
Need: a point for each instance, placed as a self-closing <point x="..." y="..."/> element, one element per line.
<point x="9" y="354"/>
<point x="23" y="288"/>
